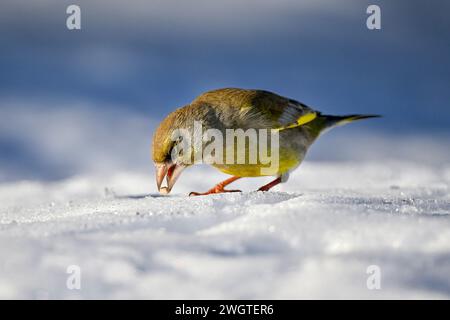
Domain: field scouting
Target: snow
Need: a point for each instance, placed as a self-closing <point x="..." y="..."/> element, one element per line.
<point x="313" y="237"/>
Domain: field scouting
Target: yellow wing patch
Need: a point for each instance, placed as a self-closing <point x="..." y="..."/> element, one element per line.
<point x="304" y="119"/>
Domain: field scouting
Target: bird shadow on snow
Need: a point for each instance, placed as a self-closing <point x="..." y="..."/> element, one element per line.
<point x="144" y="196"/>
<point x="157" y="195"/>
<point x="138" y="196"/>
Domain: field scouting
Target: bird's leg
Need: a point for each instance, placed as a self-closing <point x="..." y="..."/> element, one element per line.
<point x="270" y="185"/>
<point x="218" y="188"/>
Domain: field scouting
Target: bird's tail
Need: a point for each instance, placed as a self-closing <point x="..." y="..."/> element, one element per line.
<point x="324" y="122"/>
<point x="333" y="121"/>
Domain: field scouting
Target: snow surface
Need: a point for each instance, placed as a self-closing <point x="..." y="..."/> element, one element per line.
<point x="313" y="237"/>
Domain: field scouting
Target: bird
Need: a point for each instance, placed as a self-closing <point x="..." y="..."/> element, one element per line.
<point x="296" y="124"/>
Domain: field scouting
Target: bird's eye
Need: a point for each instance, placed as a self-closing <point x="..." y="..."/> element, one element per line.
<point x="175" y="150"/>
<point x="169" y="152"/>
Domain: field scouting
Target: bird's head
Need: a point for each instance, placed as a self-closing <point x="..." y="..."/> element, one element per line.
<point x="169" y="150"/>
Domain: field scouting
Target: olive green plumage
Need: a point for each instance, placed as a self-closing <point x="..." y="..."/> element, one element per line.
<point x="298" y="125"/>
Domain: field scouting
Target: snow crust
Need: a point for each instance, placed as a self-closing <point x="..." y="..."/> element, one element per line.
<point x="313" y="237"/>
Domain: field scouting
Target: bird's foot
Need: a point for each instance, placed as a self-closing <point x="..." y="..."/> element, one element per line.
<point x="264" y="188"/>
<point x="270" y="185"/>
<point x="217" y="189"/>
<point x="211" y="191"/>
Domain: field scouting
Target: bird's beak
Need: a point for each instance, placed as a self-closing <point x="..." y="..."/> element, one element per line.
<point x="161" y="171"/>
<point x="171" y="172"/>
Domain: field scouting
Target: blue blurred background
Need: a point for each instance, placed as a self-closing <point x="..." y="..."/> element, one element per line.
<point x="87" y="101"/>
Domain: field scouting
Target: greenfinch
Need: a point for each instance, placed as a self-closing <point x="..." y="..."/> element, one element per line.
<point x="295" y="125"/>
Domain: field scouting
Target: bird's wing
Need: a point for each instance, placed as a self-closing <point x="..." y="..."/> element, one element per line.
<point x="259" y="108"/>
